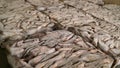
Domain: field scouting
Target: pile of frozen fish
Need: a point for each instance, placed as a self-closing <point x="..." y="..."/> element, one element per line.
<point x="60" y="33"/>
<point x="68" y="47"/>
<point x="72" y="47"/>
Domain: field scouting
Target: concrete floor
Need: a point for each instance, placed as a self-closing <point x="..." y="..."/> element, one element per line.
<point x="3" y="59"/>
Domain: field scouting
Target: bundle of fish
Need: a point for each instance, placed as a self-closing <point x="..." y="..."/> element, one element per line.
<point x="59" y="49"/>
